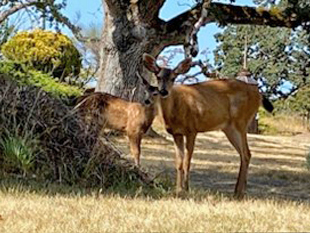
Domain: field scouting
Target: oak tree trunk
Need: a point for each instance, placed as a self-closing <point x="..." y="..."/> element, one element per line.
<point x="124" y="40"/>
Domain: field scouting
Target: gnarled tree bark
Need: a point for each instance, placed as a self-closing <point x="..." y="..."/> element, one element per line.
<point x="127" y="34"/>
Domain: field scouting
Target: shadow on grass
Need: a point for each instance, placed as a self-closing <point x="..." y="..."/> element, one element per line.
<point x="205" y="183"/>
<point x="278" y="170"/>
<point x="271" y="184"/>
<point x="211" y="177"/>
<point x="18" y="185"/>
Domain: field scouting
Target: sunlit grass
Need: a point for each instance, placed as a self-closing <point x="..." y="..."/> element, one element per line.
<point x="201" y="212"/>
<point x="283" y="124"/>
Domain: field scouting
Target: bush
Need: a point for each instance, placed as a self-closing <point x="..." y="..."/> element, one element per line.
<point x="46" y="51"/>
<point x="20" y="73"/>
<point x="71" y="151"/>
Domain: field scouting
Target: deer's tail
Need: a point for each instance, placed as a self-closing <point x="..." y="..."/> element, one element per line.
<point x="267" y="104"/>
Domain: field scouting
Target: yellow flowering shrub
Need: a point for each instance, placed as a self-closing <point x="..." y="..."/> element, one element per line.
<point x="46" y="51"/>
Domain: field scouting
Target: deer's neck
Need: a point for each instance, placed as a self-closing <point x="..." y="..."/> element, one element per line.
<point x="151" y="110"/>
<point x="166" y="107"/>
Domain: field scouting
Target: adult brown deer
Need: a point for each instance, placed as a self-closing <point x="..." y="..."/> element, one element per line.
<point x="133" y="118"/>
<point x="227" y="105"/>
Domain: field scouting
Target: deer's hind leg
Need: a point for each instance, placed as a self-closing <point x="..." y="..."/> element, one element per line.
<point x="238" y="138"/>
<point x="190" y="143"/>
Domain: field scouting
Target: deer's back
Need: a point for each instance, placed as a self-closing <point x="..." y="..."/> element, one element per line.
<point x="131" y="117"/>
<point x="209" y="105"/>
<point x="117" y="113"/>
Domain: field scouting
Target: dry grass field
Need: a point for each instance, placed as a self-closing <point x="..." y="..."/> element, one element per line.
<point x="277" y="200"/>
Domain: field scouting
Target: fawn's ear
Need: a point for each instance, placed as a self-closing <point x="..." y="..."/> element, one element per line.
<point x="143" y="80"/>
<point x="150" y="63"/>
<point x="183" y="66"/>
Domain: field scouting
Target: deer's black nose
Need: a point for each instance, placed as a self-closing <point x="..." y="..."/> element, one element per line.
<point x="147" y="102"/>
<point x="163" y="92"/>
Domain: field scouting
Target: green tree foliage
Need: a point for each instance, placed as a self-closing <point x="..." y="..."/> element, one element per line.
<point x="275" y="55"/>
<point x="45" y="51"/>
<point x="298" y="102"/>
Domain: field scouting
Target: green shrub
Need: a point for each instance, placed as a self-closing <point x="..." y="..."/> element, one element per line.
<point x="264" y="125"/>
<point x="18" y="153"/>
<point x="25" y="76"/>
<point x="46" y="51"/>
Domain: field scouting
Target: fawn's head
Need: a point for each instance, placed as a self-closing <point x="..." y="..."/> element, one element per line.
<point x="150" y="92"/>
<point x="165" y="76"/>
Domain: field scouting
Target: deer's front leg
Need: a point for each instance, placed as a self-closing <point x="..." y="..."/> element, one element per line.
<point x="179" y="155"/>
<point x="190" y="143"/>
<point x="135" y="147"/>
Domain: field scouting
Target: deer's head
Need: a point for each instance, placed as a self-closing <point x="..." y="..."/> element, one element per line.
<point x="165" y="76"/>
<point x="150" y="92"/>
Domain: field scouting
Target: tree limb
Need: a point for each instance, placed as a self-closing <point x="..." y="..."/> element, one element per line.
<point x="231" y="14"/>
<point x="74" y="29"/>
<point x="54" y="11"/>
<point x="18" y="6"/>
<point x="191" y="41"/>
<point x="149" y="9"/>
<point x="173" y="32"/>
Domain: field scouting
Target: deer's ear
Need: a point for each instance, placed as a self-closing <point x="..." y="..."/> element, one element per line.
<point x="150" y="63"/>
<point x="143" y="80"/>
<point x="183" y="66"/>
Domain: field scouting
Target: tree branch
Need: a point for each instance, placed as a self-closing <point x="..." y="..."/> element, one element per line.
<point x="74" y="29"/>
<point x="230" y="14"/>
<point x="54" y="11"/>
<point x="18" y="6"/>
<point x="174" y="31"/>
<point x="191" y="45"/>
<point x="149" y="9"/>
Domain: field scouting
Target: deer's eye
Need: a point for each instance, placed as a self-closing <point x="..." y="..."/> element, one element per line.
<point x="152" y="89"/>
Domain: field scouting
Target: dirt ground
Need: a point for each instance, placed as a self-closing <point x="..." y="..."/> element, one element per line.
<point x="277" y="169"/>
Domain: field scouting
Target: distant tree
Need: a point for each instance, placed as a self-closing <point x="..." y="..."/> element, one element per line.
<point x="90" y="51"/>
<point x="274" y="55"/>
<point x="297" y="102"/>
<point x="92" y="46"/>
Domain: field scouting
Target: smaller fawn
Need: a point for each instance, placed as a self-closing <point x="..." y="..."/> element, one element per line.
<point x="133" y="118"/>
